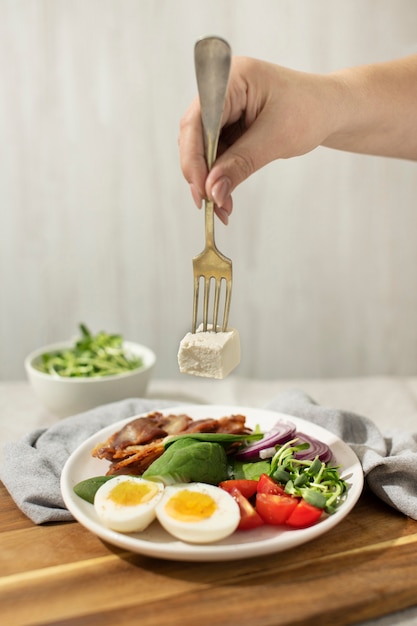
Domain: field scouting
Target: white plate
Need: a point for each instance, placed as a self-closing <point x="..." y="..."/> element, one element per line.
<point x="155" y="542"/>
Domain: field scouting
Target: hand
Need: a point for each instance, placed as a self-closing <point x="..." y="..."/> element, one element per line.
<point x="273" y="112"/>
<point x="270" y="113"/>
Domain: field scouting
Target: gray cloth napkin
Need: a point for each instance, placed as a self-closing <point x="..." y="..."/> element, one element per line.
<point x="31" y="467"/>
<point x="389" y="460"/>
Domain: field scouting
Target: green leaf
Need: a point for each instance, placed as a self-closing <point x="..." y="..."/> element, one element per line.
<point x="188" y="460"/>
<point x="88" y="488"/>
<point x="301" y="480"/>
<point x="315" y="498"/>
<point x="222" y="438"/>
<point x="281" y="475"/>
<point x="315" y="467"/>
<point x="250" y="470"/>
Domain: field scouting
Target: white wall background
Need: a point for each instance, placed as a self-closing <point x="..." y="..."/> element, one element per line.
<point x="97" y="224"/>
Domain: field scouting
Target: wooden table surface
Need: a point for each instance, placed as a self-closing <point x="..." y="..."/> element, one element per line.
<point x="62" y="574"/>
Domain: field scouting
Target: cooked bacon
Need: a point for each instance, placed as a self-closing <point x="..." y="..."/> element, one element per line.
<point x="140" y="442"/>
<point x="141" y="430"/>
<point x="235" y="425"/>
<point x="176" y="424"/>
<point x="207" y="425"/>
<point x="137" y="463"/>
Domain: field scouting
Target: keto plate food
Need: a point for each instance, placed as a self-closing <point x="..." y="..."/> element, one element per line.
<point x="163" y="538"/>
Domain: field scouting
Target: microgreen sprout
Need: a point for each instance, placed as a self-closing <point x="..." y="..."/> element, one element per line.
<point x="97" y="355"/>
<point x="315" y="481"/>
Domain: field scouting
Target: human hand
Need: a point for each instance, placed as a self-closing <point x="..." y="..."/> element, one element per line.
<point x="270" y="112"/>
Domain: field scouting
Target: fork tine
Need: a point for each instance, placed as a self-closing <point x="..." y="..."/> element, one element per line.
<point x="227" y="303"/>
<point x="216" y="303"/>
<point x="206" y="301"/>
<point x="195" y="301"/>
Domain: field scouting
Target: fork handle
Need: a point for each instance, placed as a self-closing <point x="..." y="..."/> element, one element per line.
<point x="212" y="59"/>
<point x="209" y="223"/>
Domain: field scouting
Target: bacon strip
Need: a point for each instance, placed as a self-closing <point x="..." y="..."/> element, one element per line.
<point x="140" y="442"/>
<point x="141" y="430"/>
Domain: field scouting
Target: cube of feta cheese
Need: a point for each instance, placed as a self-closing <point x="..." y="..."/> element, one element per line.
<point x="209" y="354"/>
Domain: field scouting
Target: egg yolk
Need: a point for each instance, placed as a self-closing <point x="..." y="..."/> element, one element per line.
<point x="190" y="506"/>
<point x="131" y="494"/>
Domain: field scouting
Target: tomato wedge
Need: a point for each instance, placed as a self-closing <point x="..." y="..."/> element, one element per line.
<point x="249" y="518"/>
<point x="246" y="487"/>
<point x="304" y="515"/>
<point x="275" y="509"/>
<point x="266" y="484"/>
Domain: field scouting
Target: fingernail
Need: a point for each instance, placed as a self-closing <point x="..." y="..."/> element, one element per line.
<point x="222" y="214"/>
<point x="196" y="196"/>
<point x="221" y="190"/>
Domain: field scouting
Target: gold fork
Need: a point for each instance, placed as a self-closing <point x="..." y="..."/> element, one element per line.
<point x="212" y="58"/>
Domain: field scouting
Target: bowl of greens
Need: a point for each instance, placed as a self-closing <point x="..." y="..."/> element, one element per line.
<point x="94" y="369"/>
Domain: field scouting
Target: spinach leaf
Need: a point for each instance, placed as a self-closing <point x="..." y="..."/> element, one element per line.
<point x="189" y="460"/>
<point x="223" y="438"/>
<point x="250" y="470"/>
<point x="87" y="488"/>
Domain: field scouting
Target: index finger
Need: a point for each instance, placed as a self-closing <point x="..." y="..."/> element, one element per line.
<point x="191" y="148"/>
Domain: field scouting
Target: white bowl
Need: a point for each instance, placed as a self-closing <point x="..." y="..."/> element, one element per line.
<point x="68" y="396"/>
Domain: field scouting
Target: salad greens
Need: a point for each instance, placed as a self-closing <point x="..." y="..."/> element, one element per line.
<point x="315" y="481"/>
<point x="189" y="460"/>
<point x="223" y="438"/>
<point x="204" y="457"/>
<point x="87" y="488"/>
<point x="195" y="457"/>
<point x="91" y="356"/>
<point x="251" y="470"/>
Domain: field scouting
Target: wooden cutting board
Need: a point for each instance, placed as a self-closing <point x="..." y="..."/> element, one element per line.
<point x="62" y="574"/>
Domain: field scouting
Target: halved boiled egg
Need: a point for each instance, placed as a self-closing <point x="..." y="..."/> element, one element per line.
<point x="127" y="503"/>
<point x="198" y="512"/>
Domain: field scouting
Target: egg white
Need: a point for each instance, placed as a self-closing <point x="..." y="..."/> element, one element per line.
<point x="124" y="517"/>
<point x="221" y="523"/>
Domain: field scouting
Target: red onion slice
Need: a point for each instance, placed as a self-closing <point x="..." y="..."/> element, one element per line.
<point x="280" y="433"/>
<point x="317" y="448"/>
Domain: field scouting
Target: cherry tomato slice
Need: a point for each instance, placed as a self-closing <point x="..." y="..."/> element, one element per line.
<point x="266" y="484"/>
<point x="246" y="487"/>
<point x="249" y="518"/>
<point x="275" y="509"/>
<point x="304" y="515"/>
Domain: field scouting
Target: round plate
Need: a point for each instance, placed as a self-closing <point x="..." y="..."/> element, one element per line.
<point x="155" y="542"/>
